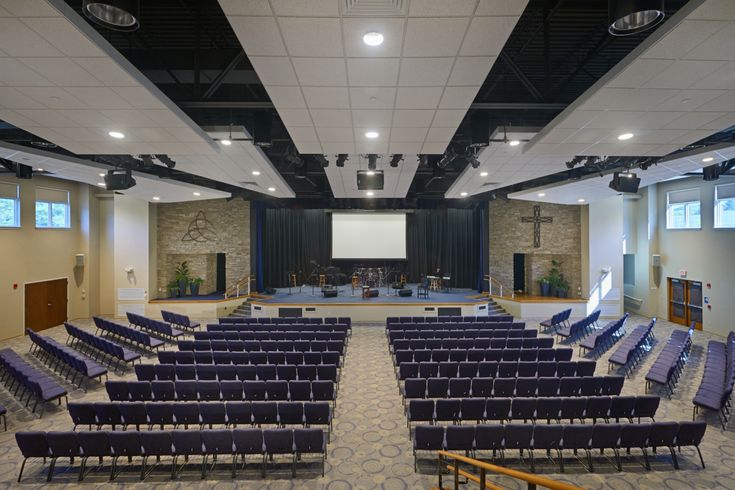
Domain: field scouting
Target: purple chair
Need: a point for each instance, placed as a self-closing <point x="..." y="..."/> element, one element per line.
<point x="32" y="445"/>
<point x="309" y="441"/>
<point x="427" y="438"/>
<point x="277" y="442"/>
<point x="154" y="443"/>
<point x="215" y="443"/>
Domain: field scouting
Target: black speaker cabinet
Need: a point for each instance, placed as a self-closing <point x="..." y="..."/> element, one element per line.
<point x="373" y="293"/>
<point x="405" y="293"/>
<point x="269" y="290"/>
<point x="329" y="293"/>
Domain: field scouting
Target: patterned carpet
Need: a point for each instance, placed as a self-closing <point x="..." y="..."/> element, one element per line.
<point x="371" y="448"/>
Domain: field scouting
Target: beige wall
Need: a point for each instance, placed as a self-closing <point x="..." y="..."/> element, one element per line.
<point x="130" y="251"/>
<point x="605" y="256"/>
<point x="30" y="254"/>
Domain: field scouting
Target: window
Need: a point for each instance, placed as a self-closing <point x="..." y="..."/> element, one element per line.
<point x="725" y="206"/>
<point x="9" y="205"/>
<point x="683" y="210"/>
<point x="52" y="208"/>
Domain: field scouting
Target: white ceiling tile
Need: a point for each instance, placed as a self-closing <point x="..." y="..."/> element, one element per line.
<point x="458" y="97"/>
<point x="28" y="8"/>
<point x="577" y="119"/>
<point x="138" y="97"/>
<point x="379" y="147"/>
<point x="17" y="39"/>
<point x="440" y="134"/>
<point x="306" y="8"/>
<point x="720" y="46"/>
<point x="688" y="100"/>
<point x="425" y="72"/>
<point x="375" y="118"/>
<point x="251" y="7"/>
<point x="412" y="117"/>
<point x="441" y="8"/>
<point x="259" y="36"/>
<point x="336" y="134"/>
<point x="331" y="117"/>
<point x="372" y="97"/>
<point x="715" y="10"/>
<point x="408" y="134"/>
<point x="53" y="97"/>
<point x="326" y="72"/>
<point x="694" y="120"/>
<point x="63" y="35"/>
<point x="622" y="99"/>
<point x="725" y="102"/>
<point x="286" y="97"/>
<point x="404" y="147"/>
<point x="685" y="37"/>
<point x="316" y="37"/>
<point x="471" y="71"/>
<point x="373" y="72"/>
<point x="501" y="7"/>
<point x="560" y="135"/>
<point x="682" y="73"/>
<point x="160" y="117"/>
<point x="487" y="35"/>
<point x="418" y="97"/>
<point x="721" y="123"/>
<point x="17" y="74"/>
<point x="47" y="117"/>
<point x="303" y="133"/>
<point x="88" y="118"/>
<point x="722" y="78"/>
<point x="448" y="118"/>
<point x="639" y="72"/>
<point x="80" y="134"/>
<point x="99" y="97"/>
<point x="433" y="37"/>
<point x="337" y="147"/>
<point x="123" y="118"/>
<point x="434" y="148"/>
<point x="354" y="28"/>
<point x="274" y="70"/>
<point x="308" y="147"/>
<point x="326" y="97"/>
<point x="106" y="71"/>
<point x="16" y="119"/>
<point x="295" y="117"/>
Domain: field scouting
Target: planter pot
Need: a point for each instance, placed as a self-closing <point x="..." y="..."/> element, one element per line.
<point x="182" y="288"/>
<point x="553" y="291"/>
<point x="561" y="293"/>
<point x="545" y="288"/>
<point x="173" y="292"/>
<point x="194" y="288"/>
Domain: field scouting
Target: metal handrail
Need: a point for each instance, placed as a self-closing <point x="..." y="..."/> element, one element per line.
<point x="500" y="290"/>
<point x="235" y="288"/>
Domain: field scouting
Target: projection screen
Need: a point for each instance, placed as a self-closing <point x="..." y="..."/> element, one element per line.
<point x="368" y="236"/>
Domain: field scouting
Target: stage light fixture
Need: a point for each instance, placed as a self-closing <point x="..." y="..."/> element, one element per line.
<point x="423" y="160"/>
<point x="322" y="161"/>
<point x="301" y="172"/>
<point x="574" y="162"/>
<point x="395" y="159"/>
<point x="341" y="159"/>
<point x="627" y="17"/>
<point x="147" y="160"/>
<point x="372" y="161"/>
<point x="164" y="159"/>
<point x="117" y="15"/>
<point x="447" y="158"/>
<point x="471" y="158"/>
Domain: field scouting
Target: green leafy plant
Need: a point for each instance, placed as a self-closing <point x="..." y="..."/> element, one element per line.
<point x="197" y="281"/>
<point x="182" y="272"/>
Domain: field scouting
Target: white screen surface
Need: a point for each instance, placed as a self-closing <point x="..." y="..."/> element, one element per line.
<point x="368" y="236"/>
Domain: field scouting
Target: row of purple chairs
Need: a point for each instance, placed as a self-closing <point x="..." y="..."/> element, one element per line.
<point x="667" y="367"/>
<point x="557" y="321"/>
<point x="476" y="343"/>
<point x="199" y="414"/>
<point x="243" y="372"/>
<point x="298" y="390"/>
<point x="99" y="347"/>
<point x="253" y="358"/>
<point x="392" y="320"/>
<point x="484" y="326"/>
<point x="279" y="327"/>
<point x="181" y="321"/>
<point x="716" y="386"/>
<point x="495" y="369"/>
<point x="65" y="360"/>
<point x="135" y="337"/>
<point x="126" y="445"/>
<point x="483" y="354"/>
<point x="263" y="345"/>
<point x="631" y="351"/>
<point x="272" y="335"/>
<point x="581" y="408"/>
<point x="559" y="438"/>
<point x="500" y="333"/>
<point x="580" y="328"/>
<point x="441" y="387"/>
<point x="156" y="326"/>
<point x="24" y="379"/>
<point x="602" y="339"/>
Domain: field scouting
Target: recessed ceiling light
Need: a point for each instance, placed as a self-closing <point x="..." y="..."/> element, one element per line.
<point x="256" y="172"/>
<point x="373" y="39"/>
<point x="514" y="143"/>
<point x="369" y="193"/>
<point x="483" y="174"/>
<point x="116" y="134"/>
<point x="101" y="175"/>
<point x="705" y="160"/>
<point x="369" y="172"/>
<point x="371" y="135"/>
<point x="101" y="184"/>
<point x="272" y="189"/>
<point x="580" y="200"/>
<point x="541" y="194"/>
<point x="625" y="136"/>
<point x="40" y="169"/>
<point x="197" y="194"/>
<point x="156" y="198"/>
<point x="226" y="142"/>
<point x="463" y="194"/>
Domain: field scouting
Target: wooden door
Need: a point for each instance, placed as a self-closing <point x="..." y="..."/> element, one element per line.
<point x="45" y="304"/>
<point x="678" y="301"/>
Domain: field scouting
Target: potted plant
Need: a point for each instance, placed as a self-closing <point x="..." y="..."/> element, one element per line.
<point x="555" y="278"/>
<point x="182" y="277"/>
<point x="562" y="288"/>
<point x="173" y="289"/>
<point x="544" y="285"/>
<point x="194" y="285"/>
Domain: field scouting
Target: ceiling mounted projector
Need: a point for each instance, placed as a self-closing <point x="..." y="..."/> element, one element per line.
<point x="628" y="17"/>
<point x="370" y="180"/>
<point x="627" y="182"/>
<point x="118" y="15"/>
<point x="119" y="180"/>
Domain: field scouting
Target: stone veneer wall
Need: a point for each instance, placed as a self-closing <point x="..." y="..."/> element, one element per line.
<point x="230" y="221"/>
<point x="560" y="240"/>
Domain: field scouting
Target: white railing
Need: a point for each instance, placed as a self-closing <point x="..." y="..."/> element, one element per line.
<point x="496" y="288"/>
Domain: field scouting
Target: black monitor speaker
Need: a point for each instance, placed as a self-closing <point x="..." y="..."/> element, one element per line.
<point x="370" y="180"/>
<point x="625" y="182"/>
<point x="117" y="180"/>
<point x="23" y="171"/>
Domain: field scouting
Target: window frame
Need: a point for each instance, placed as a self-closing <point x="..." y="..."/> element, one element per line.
<point x="16" y="209"/>
<point x="715" y="207"/>
<point x="49" y="208"/>
<point x="686" y="204"/>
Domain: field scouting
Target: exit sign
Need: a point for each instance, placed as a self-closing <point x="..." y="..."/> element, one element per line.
<point x="683" y="273"/>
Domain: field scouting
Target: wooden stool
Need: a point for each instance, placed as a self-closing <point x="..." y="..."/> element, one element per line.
<point x="293" y="280"/>
<point x="365" y="292"/>
<point x="322" y="280"/>
<point x="434" y="285"/>
<point x="355" y="283"/>
<point x="403" y="279"/>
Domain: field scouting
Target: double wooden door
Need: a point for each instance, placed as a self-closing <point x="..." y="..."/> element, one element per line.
<point x="685" y="302"/>
<point x="45" y="304"/>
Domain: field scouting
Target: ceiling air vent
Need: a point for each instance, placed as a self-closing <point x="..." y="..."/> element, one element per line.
<point x="490" y="183"/>
<point x="248" y="183"/>
<point x="374" y="8"/>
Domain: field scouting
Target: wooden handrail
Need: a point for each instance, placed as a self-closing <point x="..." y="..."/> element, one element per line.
<point x="235" y="288"/>
<point x="474" y="478"/>
<point x="500" y="290"/>
<point x="531" y="479"/>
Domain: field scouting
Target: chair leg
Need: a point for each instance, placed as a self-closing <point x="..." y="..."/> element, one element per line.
<point x="700" y="456"/>
<point x="22" y="465"/>
<point x="51" y="469"/>
<point x="673" y="457"/>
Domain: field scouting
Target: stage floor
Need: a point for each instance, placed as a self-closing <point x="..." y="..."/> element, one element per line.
<point x="345" y="296"/>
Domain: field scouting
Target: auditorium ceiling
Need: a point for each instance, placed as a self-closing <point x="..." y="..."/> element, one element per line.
<point x="291" y="84"/>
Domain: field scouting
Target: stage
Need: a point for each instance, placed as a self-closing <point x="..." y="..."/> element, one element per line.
<point x="541" y="307"/>
<point x="206" y="306"/>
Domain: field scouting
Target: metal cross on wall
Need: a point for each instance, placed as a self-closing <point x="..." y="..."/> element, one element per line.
<point x="536" y="219"/>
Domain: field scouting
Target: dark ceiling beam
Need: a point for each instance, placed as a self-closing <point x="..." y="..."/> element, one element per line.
<point x="603" y="43"/>
<point x="521" y="76"/>
<point x="483" y="106"/>
<point x="215" y="85"/>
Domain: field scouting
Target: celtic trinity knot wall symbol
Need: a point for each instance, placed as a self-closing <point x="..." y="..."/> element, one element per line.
<point x="200" y="230"/>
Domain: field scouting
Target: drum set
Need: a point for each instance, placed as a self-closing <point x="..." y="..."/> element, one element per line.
<point x="375" y="277"/>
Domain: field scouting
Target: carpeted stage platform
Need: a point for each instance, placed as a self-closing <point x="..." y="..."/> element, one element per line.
<point x="345" y="296"/>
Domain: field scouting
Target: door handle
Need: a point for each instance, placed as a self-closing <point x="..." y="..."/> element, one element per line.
<point x="49" y="305"/>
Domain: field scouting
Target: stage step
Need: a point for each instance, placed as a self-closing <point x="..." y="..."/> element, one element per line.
<point x="494" y="309"/>
<point x="243" y="311"/>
